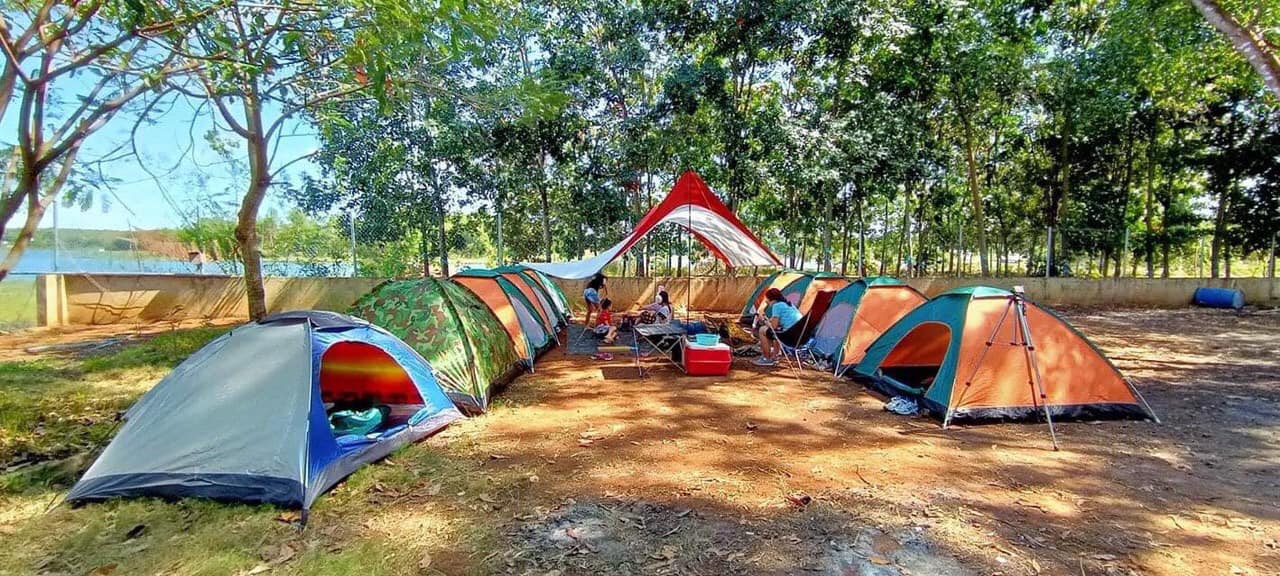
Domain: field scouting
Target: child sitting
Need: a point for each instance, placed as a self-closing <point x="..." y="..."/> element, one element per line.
<point x="604" y="322"/>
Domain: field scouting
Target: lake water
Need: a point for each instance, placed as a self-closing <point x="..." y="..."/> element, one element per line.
<point x="40" y="261"/>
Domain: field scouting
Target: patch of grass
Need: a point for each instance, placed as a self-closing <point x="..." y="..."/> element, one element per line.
<point x="384" y="519"/>
<point x="17" y="302"/>
<point x="58" y="409"/>
<point x="164" y="350"/>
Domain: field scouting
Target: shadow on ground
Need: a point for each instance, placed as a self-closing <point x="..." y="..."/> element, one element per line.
<point x="763" y="472"/>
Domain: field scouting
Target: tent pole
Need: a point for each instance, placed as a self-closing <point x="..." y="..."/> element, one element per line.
<point x="688" y="288"/>
<point x="1033" y="368"/>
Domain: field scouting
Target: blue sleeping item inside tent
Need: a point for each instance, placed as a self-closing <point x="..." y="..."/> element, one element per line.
<point x="177" y="442"/>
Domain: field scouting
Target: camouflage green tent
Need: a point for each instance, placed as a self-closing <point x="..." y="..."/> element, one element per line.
<point x="459" y="336"/>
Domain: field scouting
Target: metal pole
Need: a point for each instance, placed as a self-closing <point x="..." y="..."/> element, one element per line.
<point x="1048" y="255"/>
<point x="688" y="288"/>
<point x="55" y="235"/>
<point x="351" y="225"/>
<point x="498" y="210"/>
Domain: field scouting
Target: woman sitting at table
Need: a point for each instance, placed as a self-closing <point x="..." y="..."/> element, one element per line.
<point x="663" y="311"/>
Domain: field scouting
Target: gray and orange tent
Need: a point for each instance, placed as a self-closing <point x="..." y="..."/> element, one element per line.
<point x="964" y="355"/>
<point x="529" y="333"/>
<point x="803" y="290"/>
<point x="551" y="297"/>
<point x="859" y="313"/>
<point x="537" y="294"/>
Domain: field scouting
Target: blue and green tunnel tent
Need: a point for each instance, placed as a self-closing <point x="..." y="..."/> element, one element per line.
<point x="857" y="315"/>
<point x="965" y="356"/>
<point x="234" y="423"/>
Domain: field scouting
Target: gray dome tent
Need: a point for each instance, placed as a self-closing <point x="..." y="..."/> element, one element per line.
<point x="244" y="418"/>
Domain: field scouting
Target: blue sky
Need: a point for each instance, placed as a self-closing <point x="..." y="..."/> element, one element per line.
<point x="185" y="168"/>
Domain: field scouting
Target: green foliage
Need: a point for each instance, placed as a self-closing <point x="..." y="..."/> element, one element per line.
<point x="822" y="124"/>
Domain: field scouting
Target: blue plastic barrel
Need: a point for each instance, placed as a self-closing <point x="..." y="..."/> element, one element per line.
<point x="1219" y="297"/>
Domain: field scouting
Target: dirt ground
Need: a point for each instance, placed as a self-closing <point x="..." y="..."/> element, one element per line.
<point x="582" y="468"/>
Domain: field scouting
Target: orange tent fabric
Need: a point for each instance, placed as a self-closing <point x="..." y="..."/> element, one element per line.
<point x="488" y="290"/>
<point x="820" y="284"/>
<point x="880" y="309"/>
<point x="965" y="355"/>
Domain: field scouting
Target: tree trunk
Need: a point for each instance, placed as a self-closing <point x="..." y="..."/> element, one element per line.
<point x="904" y="239"/>
<point x="1250" y="43"/>
<point x="1271" y="260"/>
<point x="827" y="217"/>
<point x="546" y="206"/>
<point x="862" y="241"/>
<point x="37" y="202"/>
<point x="1219" y="230"/>
<point x="884" y="235"/>
<point x="791" y="249"/>
<point x="844" y="244"/>
<point x="497" y="210"/>
<point x="1125" y="182"/>
<point x="975" y="195"/>
<point x="1148" y="216"/>
<point x="443" y="239"/>
<point x="247" y="221"/>
<point x="1064" y="191"/>
<point x="424" y="249"/>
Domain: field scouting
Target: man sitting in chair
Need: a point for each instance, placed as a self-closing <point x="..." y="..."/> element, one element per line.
<point x="775" y="317"/>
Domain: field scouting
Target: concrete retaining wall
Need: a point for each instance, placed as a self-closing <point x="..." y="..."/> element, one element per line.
<point x="114" y="298"/>
<point x="729" y="294"/>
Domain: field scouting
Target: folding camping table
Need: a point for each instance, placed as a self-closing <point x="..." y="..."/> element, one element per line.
<point x="662" y="337"/>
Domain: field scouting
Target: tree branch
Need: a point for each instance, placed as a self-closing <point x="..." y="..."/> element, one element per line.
<point x="311" y="102"/>
<point x="221" y="106"/>
<point x="306" y="156"/>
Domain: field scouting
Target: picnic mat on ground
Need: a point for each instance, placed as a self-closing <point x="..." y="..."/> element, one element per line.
<point x="580" y="344"/>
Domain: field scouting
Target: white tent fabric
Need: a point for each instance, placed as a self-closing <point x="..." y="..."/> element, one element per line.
<point x="692" y="205"/>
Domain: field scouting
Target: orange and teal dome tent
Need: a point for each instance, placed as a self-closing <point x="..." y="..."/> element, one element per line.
<point x="801" y="289"/>
<point x="980" y="353"/>
<point x="533" y="290"/>
<point x="528" y="332"/>
<point x="455" y="331"/>
<point x="859" y="313"/>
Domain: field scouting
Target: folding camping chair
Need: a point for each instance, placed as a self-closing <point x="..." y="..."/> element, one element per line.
<point x="797" y="341"/>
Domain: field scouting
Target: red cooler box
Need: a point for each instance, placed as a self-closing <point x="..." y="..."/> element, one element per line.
<point x="706" y="360"/>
